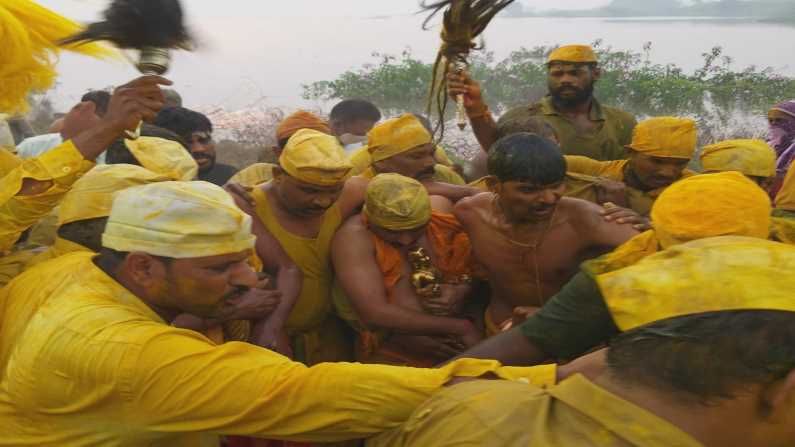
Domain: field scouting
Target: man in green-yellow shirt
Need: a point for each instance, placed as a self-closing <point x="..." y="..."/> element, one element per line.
<point x="582" y="125"/>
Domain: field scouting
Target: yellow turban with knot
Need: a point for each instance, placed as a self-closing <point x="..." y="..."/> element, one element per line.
<point x="164" y="157"/>
<point x="30" y="34"/>
<point x="397" y="203"/>
<point x="314" y="157"/>
<point x="578" y="54"/>
<point x="710" y="205"/>
<point x="667" y="136"/>
<point x="177" y="220"/>
<point x="708" y="275"/>
<point x="395" y="136"/>
<point x="785" y="199"/>
<point x="301" y="120"/>
<point x="751" y="157"/>
<point x="92" y="195"/>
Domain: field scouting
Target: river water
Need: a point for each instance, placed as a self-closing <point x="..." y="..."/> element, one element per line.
<point x="243" y="60"/>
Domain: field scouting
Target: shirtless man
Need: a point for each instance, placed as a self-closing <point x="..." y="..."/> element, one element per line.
<point x="529" y="238"/>
<point x="401" y="322"/>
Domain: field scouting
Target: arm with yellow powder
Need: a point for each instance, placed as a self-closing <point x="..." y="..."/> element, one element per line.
<point x="32" y="189"/>
<point x="240" y="389"/>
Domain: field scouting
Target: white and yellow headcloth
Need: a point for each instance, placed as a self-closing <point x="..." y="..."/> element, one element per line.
<point x="177" y="220"/>
<point x="397" y="203"/>
<point x="707" y="275"/>
<point x="164" y="157"/>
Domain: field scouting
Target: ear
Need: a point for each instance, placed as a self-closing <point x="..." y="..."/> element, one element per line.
<point x="596" y="73"/>
<point x="278" y="174"/>
<point x="493" y="184"/>
<point x="778" y="398"/>
<point x="144" y="269"/>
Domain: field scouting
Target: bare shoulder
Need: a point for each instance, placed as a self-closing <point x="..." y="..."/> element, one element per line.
<point x="581" y="213"/>
<point x="441" y="204"/>
<point x="354" y="226"/>
<point x="467" y="206"/>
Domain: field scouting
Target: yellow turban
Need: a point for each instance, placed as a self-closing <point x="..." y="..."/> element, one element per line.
<point x="253" y="175"/>
<point x="92" y="195"/>
<point x="717" y="274"/>
<point x="666" y="136"/>
<point x="301" y="120"/>
<point x="577" y="54"/>
<point x="177" y="220"/>
<point x="751" y="157"/>
<point x="397" y="203"/>
<point x="316" y="158"/>
<point x="710" y="205"/>
<point x="395" y="136"/>
<point x="29" y="34"/>
<point x="164" y="157"/>
<point x="785" y="199"/>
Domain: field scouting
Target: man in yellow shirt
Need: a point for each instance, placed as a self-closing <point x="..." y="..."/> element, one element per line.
<point x="95" y="360"/>
<point x="675" y="377"/>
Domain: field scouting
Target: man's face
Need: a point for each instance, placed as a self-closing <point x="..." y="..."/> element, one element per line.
<point x="399" y="239"/>
<point x="656" y="172"/>
<point x="528" y="202"/>
<point x="304" y="199"/>
<point x="201" y="286"/>
<point x="571" y="84"/>
<point x="418" y="163"/>
<point x="81" y="117"/>
<point x="202" y="148"/>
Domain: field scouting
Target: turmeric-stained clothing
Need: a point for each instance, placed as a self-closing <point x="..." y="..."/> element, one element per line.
<point x="584" y="172"/>
<point x="785" y="198"/>
<point x="13" y="264"/>
<point x="613" y="129"/>
<point x="783" y="226"/>
<point x="59" y="248"/>
<point x="312" y="256"/>
<point x="575" y="412"/>
<point x="94" y="365"/>
<point x="452" y="255"/>
<point x="62" y="166"/>
<point x="443" y="174"/>
<point x="8" y="160"/>
<point x="254" y="175"/>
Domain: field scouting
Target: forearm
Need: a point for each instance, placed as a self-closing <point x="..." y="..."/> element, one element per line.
<point x="288" y="282"/>
<point x="485" y="129"/>
<point x="399" y="319"/>
<point x="510" y="348"/>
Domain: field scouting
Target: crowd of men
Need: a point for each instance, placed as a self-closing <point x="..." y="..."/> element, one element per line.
<point x="591" y="281"/>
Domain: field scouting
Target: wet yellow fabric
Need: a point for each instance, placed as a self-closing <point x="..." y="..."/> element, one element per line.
<point x="751" y="157"/>
<point x="397" y="203"/>
<point x="312" y="255"/>
<point x="785" y="199"/>
<point x="574" y="413"/>
<point x="59" y="248"/>
<point x="8" y="161"/>
<point x="612" y="128"/>
<point x="573" y="53"/>
<point x="164" y="157"/>
<point x="12" y="265"/>
<point x="43" y="232"/>
<point x="665" y="136"/>
<point x="254" y="175"/>
<point x="395" y="136"/>
<point x="99" y="366"/>
<point x="62" y="166"/>
<point x="30" y="35"/>
<point x="783" y="229"/>
<point x="708" y="275"/>
<point x="301" y="120"/>
<point x="177" y="220"/>
<point x="92" y="195"/>
<point x="361" y="160"/>
<point x="679" y="214"/>
<point x="316" y="158"/>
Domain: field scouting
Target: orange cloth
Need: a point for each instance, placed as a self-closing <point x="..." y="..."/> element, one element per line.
<point x="301" y="120"/>
<point x="453" y="258"/>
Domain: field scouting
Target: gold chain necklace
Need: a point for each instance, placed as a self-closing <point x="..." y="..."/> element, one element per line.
<point x="532" y="247"/>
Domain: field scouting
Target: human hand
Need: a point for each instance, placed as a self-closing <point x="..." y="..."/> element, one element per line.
<point x="611" y="191"/>
<point x="522" y="313"/>
<point x="270" y="337"/>
<point x="614" y="213"/>
<point x="450" y="300"/>
<point x="460" y="83"/>
<point x="138" y="100"/>
<point x="236" y="190"/>
<point x="470" y="337"/>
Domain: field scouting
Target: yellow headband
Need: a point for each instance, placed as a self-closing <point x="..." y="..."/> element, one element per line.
<point x="397" y="203"/>
<point x="29" y="34"/>
<point x="708" y="275"/>
<point x="709" y="205"/>
<point x="750" y="157"/>
<point x="314" y="157"/>
<point x="92" y="195"/>
<point x="395" y="136"/>
<point x="785" y="199"/>
<point x="667" y="136"/>
<point x="177" y="220"/>
<point x="164" y="157"/>
<point x="577" y="54"/>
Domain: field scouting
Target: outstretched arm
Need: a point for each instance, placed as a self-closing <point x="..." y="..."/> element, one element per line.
<point x="480" y="118"/>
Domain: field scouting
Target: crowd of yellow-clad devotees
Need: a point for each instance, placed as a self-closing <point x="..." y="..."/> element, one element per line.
<point x="587" y="280"/>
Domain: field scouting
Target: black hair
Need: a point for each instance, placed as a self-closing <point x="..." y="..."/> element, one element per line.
<point x="183" y="122"/>
<point x="351" y="110"/>
<point x="526" y="157"/>
<point x="118" y="153"/>
<point x="109" y="260"/>
<point x="708" y="356"/>
<point x="514" y="123"/>
<point x="87" y="233"/>
<point x="100" y="98"/>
